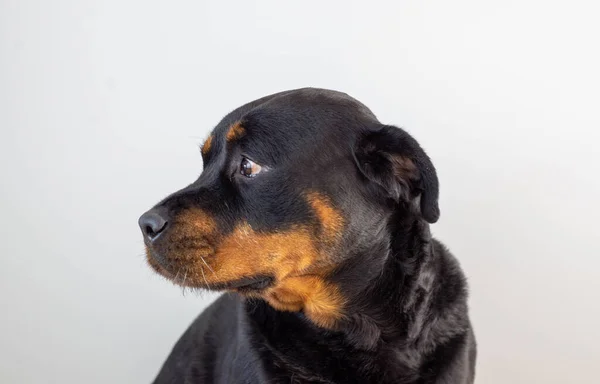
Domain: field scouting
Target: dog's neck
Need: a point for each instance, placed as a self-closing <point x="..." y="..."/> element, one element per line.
<point x="388" y="301"/>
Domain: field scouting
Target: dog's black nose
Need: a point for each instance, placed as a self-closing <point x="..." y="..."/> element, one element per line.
<point x="153" y="223"/>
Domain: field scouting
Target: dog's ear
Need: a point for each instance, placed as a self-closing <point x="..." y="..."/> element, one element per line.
<point x="391" y="158"/>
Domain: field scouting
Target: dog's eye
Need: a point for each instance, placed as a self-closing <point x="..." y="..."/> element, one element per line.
<point x="249" y="168"/>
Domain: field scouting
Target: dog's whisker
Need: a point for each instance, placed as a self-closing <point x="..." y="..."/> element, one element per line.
<point x="208" y="266"/>
<point x="203" y="276"/>
<point x="183" y="283"/>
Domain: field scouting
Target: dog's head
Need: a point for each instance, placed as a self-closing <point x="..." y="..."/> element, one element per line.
<point x="294" y="186"/>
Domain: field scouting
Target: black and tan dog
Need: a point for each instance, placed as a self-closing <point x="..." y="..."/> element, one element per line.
<point x="315" y="217"/>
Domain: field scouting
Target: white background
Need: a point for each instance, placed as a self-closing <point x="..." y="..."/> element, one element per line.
<point x="103" y="105"/>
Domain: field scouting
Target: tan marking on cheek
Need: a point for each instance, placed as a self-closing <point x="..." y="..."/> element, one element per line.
<point x="235" y="132"/>
<point x="207" y="145"/>
<point x="245" y="253"/>
<point x="330" y="218"/>
<point x="295" y="261"/>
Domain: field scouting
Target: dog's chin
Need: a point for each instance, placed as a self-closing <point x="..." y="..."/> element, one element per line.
<point x="178" y="275"/>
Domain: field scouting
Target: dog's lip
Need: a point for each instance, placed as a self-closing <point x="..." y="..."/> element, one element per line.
<point x="254" y="283"/>
<point x="157" y="257"/>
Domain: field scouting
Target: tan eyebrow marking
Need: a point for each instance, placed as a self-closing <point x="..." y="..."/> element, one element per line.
<point x="235" y="132"/>
<point x="207" y="145"/>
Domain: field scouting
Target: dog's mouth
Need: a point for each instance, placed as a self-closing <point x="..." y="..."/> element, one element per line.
<point x="245" y="284"/>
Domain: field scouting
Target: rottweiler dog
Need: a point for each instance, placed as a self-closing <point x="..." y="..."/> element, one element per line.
<point x="314" y="218"/>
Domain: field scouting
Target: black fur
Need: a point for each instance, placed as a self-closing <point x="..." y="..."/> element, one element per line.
<point x="406" y="295"/>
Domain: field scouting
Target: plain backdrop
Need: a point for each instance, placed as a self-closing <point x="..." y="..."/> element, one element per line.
<point x="103" y="105"/>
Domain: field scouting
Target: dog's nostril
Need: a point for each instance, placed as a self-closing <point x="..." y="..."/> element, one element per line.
<point x="153" y="223"/>
<point x="149" y="230"/>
